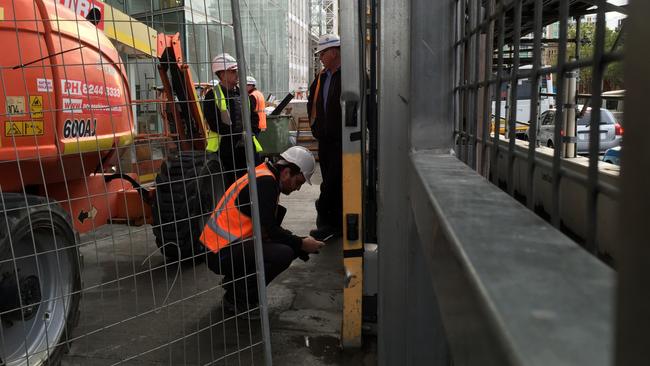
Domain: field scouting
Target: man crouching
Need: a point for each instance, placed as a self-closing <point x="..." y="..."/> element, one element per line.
<point x="229" y="230"/>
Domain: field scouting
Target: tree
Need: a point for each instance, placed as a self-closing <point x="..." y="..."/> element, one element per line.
<point x="613" y="77"/>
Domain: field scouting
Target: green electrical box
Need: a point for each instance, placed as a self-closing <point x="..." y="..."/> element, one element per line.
<point x="275" y="139"/>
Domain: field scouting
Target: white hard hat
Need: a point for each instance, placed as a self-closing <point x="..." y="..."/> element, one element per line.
<point x="328" y="41"/>
<point x="303" y="158"/>
<point x="250" y="80"/>
<point x="223" y="62"/>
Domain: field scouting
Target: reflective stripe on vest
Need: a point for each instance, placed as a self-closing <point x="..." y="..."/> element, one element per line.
<point x="259" y="103"/>
<point x="228" y="224"/>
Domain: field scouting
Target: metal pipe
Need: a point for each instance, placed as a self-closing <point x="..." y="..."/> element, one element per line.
<point x="570" y="116"/>
<point x="534" y="103"/>
<point x="370" y="216"/>
<point x="487" y="105"/>
<point x="497" y="103"/>
<point x="252" y="183"/>
<point x="473" y="48"/>
<point x="577" y="38"/>
<point x="594" y="128"/>
<point x="557" y="152"/>
<point x="512" y="115"/>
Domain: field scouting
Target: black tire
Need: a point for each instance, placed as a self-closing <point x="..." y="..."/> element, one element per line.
<point x="40" y="268"/>
<point x="182" y="200"/>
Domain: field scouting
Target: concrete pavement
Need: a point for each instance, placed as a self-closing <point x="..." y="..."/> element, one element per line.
<point x="137" y="309"/>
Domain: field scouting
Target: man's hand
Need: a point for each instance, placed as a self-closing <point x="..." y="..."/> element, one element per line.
<point x="311" y="245"/>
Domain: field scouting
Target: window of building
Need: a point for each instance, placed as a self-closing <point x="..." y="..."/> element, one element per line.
<point x="139" y="6"/>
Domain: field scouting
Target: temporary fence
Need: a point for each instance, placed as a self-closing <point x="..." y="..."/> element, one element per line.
<point x="107" y="180"/>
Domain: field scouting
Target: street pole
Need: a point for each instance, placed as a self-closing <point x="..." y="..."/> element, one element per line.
<point x="570" y="115"/>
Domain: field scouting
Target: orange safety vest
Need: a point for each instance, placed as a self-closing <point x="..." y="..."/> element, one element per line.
<point x="312" y="115"/>
<point x="227" y="223"/>
<point x="260" y="103"/>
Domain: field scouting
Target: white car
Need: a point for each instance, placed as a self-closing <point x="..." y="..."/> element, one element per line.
<point x="611" y="132"/>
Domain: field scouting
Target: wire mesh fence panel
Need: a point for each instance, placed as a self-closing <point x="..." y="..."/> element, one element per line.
<point x="539" y="112"/>
<point x="129" y="233"/>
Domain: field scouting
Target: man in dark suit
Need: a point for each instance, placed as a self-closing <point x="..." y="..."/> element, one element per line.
<point x="324" y="108"/>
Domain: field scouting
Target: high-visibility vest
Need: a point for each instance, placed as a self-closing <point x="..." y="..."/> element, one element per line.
<point x="258" y="146"/>
<point x="228" y="224"/>
<point x="259" y="101"/>
<point x="213" y="138"/>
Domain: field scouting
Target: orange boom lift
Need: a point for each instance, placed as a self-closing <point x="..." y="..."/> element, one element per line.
<point x="67" y="118"/>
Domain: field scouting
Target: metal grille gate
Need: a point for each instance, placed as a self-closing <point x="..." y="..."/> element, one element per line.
<point x="486" y="280"/>
<point x="106" y="185"/>
<point x="523" y="85"/>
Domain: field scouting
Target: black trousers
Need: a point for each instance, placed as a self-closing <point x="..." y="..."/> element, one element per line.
<point x="234" y="164"/>
<point x="236" y="263"/>
<point x="330" y="201"/>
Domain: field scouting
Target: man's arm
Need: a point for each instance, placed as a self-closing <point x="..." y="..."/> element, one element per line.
<point x="213" y="116"/>
<point x="255" y="119"/>
<point x="210" y="111"/>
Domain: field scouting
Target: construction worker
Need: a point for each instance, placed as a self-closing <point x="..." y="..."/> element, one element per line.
<point x="324" y="109"/>
<point x="222" y="111"/>
<point x="228" y="232"/>
<point x="257" y="101"/>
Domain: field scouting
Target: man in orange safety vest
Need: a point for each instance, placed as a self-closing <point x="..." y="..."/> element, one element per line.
<point x="257" y="101"/>
<point x="228" y="232"/>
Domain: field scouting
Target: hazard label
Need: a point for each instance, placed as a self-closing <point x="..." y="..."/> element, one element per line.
<point x="23" y="128"/>
<point x="15" y="105"/>
<point x="36" y="106"/>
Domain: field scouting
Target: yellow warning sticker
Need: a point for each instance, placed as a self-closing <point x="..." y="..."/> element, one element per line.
<point x="36" y="106"/>
<point x="23" y="128"/>
<point x="15" y="105"/>
<point x="2" y="13"/>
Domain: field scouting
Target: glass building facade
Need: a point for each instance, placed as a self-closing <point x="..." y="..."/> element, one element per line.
<point x="206" y="29"/>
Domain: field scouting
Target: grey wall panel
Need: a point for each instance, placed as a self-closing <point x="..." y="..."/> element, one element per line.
<point x="431" y="77"/>
<point x="393" y="63"/>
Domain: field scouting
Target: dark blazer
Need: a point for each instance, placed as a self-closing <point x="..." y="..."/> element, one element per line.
<point x="328" y="123"/>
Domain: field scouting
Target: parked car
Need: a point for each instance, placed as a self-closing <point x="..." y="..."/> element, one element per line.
<point x="545" y="129"/>
<point x="613" y="156"/>
<point x="611" y="132"/>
